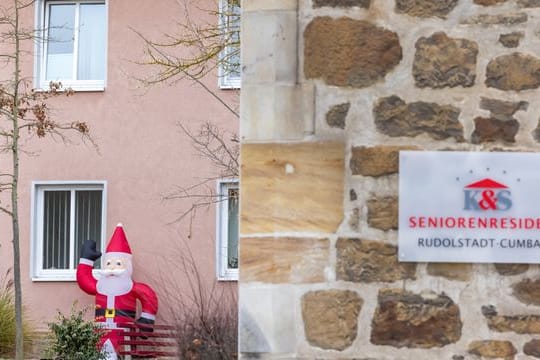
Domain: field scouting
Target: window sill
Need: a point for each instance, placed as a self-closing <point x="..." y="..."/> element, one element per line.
<point x="231" y="275"/>
<point x="68" y="276"/>
<point x="77" y="86"/>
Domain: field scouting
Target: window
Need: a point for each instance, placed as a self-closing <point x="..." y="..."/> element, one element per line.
<point x="73" y="50"/>
<point x="227" y="230"/>
<point x="64" y="215"/>
<point x="229" y="69"/>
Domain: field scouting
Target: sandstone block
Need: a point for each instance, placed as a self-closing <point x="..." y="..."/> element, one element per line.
<point x="511" y="269"/>
<point x="441" y="62"/>
<point x="393" y="117"/>
<point x="291" y="187"/>
<point x="426" y="8"/>
<point x="405" y="319"/>
<point x="347" y="52"/>
<point x="450" y="271"/>
<point x="331" y="318"/>
<point x="493" y="349"/>
<point x="532" y="348"/>
<point x="283" y="260"/>
<point x="377" y="160"/>
<point x="490" y="130"/>
<point x="515" y="71"/>
<point x="383" y="213"/>
<point x="341" y="3"/>
<point x="527" y="291"/>
<point x="520" y="324"/>
<point x="511" y="40"/>
<point x="370" y="261"/>
<point x="335" y="117"/>
<point x="504" y="19"/>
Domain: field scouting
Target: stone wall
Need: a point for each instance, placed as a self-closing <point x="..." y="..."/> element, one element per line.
<point x="332" y="91"/>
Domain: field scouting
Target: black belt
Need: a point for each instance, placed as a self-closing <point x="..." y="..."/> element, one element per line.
<point x="111" y="313"/>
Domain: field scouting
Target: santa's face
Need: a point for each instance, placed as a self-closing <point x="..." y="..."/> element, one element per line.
<point x="115" y="277"/>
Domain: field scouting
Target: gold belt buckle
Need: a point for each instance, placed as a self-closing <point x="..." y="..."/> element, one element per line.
<point x="109" y="313"/>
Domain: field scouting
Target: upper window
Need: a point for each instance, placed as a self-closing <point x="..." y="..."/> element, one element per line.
<point x="229" y="68"/>
<point x="227" y="230"/>
<point x="73" y="50"/>
<point x="64" y="215"/>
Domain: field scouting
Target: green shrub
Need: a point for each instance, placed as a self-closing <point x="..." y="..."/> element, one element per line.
<point x="75" y="338"/>
<point x="7" y="321"/>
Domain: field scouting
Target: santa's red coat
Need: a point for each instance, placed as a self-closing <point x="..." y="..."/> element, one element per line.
<point x="125" y="303"/>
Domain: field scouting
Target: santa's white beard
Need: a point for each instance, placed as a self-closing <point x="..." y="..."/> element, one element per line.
<point x="114" y="282"/>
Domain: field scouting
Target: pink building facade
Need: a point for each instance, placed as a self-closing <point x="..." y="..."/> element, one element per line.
<point x="71" y="191"/>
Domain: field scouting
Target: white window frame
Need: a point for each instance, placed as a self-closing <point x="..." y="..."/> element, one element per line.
<point x="41" y="19"/>
<point x="36" y="249"/>
<point x="224" y="273"/>
<point x="226" y="81"/>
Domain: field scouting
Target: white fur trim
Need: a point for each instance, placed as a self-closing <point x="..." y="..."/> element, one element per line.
<point x="86" y="261"/>
<point x="148" y="316"/>
<point x="119" y="224"/>
<point x="108" y="348"/>
<point x="117" y="255"/>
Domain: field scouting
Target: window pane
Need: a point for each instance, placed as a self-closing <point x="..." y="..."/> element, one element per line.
<point x="60" y="42"/>
<point x="231" y="66"/>
<point x="87" y="219"/>
<point x="232" y="236"/>
<point x="56" y="218"/>
<point x="91" y="63"/>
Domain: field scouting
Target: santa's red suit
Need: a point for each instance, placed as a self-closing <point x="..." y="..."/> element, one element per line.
<point x="116" y="295"/>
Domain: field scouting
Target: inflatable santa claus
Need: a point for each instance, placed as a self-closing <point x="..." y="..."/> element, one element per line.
<point x="116" y="293"/>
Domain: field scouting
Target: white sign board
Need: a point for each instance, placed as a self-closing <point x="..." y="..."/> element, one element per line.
<point x="469" y="207"/>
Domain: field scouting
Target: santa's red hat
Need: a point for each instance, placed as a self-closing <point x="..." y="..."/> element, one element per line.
<point x="118" y="244"/>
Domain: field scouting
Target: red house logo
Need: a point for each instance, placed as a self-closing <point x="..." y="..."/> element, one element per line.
<point x="487" y="194"/>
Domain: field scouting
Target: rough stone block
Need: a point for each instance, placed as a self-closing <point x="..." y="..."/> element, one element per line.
<point x="515" y="71"/>
<point x="493" y="349"/>
<point x="265" y="5"/>
<point x="376" y="160"/>
<point x="341" y="3"/>
<point x="529" y="3"/>
<point x="489" y="2"/>
<point x="370" y="261"/>
<point x="441" y="62"/>
<point x="394" y="117"/>
<point x="520" y="324"/>
<point x="426" y="8"/>
<point x="405" y="319"/>
<point x="283" y="260"/>
<point x="331" y="318"/>
<point x="532" y="348"/>
<point x="527" y="291"/>
<point x="511" y="40"/>
<point x="502" y="110"/>
<point x="450" y="271"/>
<point x="504" y="19"/>
<point x="291" y="187"/>
<point x="511" y="269"/>
<point x="347" y="52"/>
<point x="489" y="130"/>
<point x="383" y="213"/>
<point x="335" y="117"/>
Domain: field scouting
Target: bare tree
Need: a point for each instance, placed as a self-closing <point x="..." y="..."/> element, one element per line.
<point x="205" y="43"/>
<point x="23" y="113"/>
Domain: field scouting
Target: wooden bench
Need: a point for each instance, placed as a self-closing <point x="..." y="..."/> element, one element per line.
<point x="138" y="344"/>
